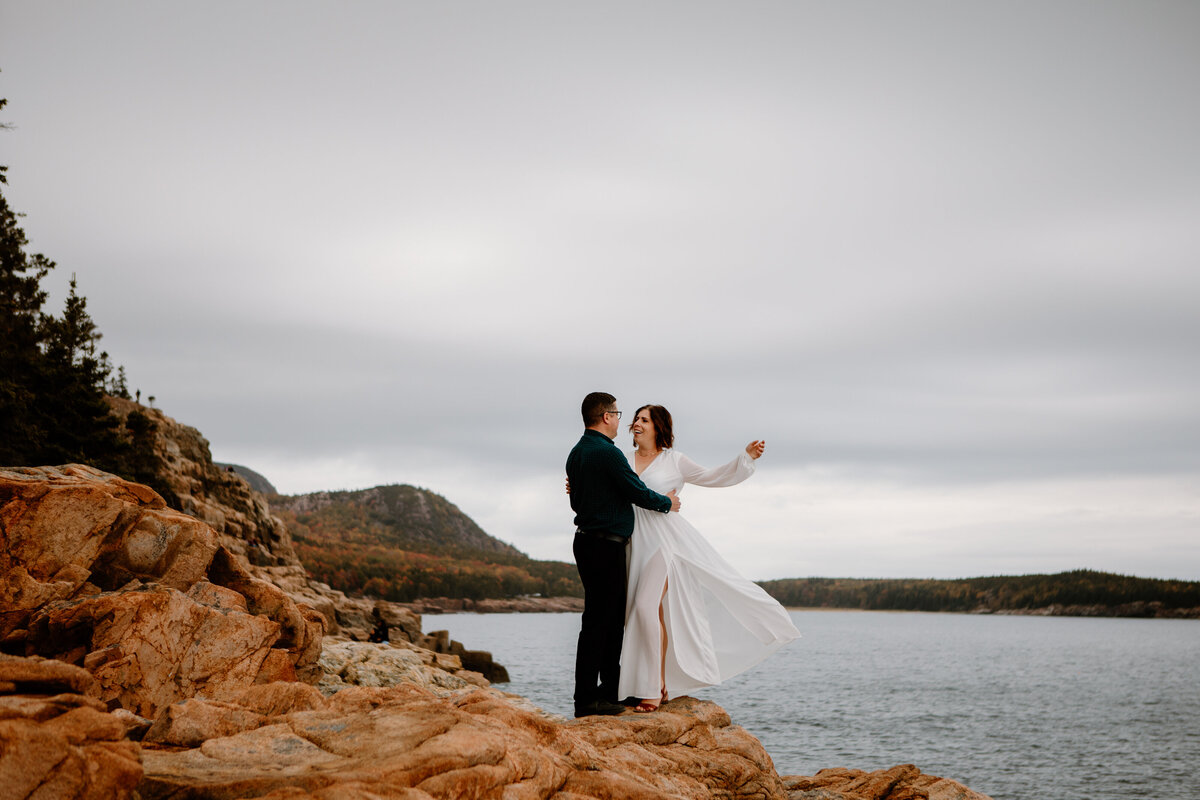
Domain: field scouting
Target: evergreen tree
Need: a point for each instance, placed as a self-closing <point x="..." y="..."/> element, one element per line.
<point x="21" y="331"/>
<point x="78" y="422"/>
<point x="118" y="387"/>
<point x="52" y="380"/>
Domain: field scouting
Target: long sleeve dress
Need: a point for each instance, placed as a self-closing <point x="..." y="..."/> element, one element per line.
<point x="717" y="622"/>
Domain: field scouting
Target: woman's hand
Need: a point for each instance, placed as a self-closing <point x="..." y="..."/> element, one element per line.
<point x="755" y="449"/>
<point x="568" y="485"/>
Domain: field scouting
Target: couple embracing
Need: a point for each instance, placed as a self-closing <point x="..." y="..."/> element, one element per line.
<point x="663" y="613"/>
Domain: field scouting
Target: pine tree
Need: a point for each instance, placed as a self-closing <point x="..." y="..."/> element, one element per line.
<point x="52" y="380"/>
<point x="79" y="423"/>
<point x="21" y="330"/>
<point x="118" y="386"/>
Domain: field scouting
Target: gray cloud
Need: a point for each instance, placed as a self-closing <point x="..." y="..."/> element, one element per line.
<point x="932" y="246"/>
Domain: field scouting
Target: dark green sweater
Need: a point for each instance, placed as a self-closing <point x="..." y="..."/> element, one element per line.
<point x="604" y="488"/>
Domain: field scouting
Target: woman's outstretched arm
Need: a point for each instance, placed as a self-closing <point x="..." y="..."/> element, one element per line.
<point x="729" y="474"/>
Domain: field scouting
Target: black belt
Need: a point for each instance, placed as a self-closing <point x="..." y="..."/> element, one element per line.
<point x="612" y="537"/>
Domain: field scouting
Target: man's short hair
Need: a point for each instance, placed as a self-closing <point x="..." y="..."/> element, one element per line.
<point x="594" y="406"/>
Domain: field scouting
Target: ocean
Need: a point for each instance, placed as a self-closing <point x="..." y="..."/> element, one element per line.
<point x="1016" y="707"/>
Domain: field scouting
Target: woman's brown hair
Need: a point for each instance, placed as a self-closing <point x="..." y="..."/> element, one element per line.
<point x="664" y="437"/>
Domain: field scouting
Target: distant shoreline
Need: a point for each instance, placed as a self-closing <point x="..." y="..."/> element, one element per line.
<point x="1078" y="593"/>
<point x="573" y="605"/>
<point x="512" y="605"/>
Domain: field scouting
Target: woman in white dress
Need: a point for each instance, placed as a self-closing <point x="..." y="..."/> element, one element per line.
<point x="691" y="620"/>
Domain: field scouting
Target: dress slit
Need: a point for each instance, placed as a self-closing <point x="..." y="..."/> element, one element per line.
<point x="643" y="629"/>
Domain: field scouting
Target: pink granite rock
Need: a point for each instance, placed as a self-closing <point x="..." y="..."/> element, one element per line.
<point x="58" y="742"/>
<point x="405" y="742"/>
<point x="902" y="782"/>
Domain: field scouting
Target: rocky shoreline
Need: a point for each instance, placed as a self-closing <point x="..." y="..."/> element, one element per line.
<point x="139" y="657"/>
<point x="552" y="605"/>
<point x="289" y="741"/>
<point x="522" y="605"/>
<point x="1138" y="610"/>
<point x="150" y="653"/>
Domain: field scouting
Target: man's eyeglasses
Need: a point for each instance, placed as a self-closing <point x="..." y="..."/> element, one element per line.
<point x="618" y="413"/>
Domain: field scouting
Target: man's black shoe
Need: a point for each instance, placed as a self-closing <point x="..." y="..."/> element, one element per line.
<point x="600" y="707"/>
<point x="630" y="701"/>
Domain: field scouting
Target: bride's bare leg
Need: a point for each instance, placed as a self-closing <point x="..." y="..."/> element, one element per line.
<point x="649" y="704"/>
<point x="663" y="627"/>
<point x="647" y="609"/>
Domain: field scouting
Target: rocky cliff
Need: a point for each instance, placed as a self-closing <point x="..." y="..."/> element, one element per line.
<point x="190" y="482"/>
<point x="245" y="527"/>
<point x="98" y="572"/>
<point x="141" y="657"/>
<point x="220" y="495"/>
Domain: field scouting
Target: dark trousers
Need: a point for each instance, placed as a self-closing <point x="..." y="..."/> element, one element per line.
<point x="601" y="565"/>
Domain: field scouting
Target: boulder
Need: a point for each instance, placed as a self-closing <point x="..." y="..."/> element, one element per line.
<point x="56" y="740"/>
<point x="194" y="721"/>
<point x="44" y="677"/>
<point x="149" y="646"/>
<point x="301" y="627"/>
<point x="97" y="572"/>
<point x="357" y="617"/>
<point x="75" y="526"/>
<point x="479" y="661"/>
<point x="273" y="699"/>
<point x="902" y="782"/>
<point x="383" y="665"/>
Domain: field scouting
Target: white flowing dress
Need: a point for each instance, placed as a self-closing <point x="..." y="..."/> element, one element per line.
<point x="718" y="623"/>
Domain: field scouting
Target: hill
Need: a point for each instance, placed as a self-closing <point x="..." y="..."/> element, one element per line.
<point x="401" y="543"/>
<point x="1075" y="593"/>
<point x="399" y="516"/>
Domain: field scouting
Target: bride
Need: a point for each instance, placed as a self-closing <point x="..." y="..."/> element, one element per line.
<point x="691" y="620"/>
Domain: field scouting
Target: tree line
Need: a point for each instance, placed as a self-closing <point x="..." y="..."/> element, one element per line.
<point x="996" y="593"/>
<point x="401" y="576"/>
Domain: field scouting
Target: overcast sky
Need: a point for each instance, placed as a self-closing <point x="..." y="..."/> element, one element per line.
<point x="943" y="256"/>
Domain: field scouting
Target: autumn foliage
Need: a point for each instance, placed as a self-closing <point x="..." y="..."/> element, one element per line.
<point x="401" y="543"/>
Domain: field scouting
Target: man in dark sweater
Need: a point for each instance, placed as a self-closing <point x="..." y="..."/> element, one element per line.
<point x="604" y="489"/>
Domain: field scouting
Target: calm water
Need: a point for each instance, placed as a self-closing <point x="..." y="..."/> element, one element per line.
<point x="1020" y="708"/>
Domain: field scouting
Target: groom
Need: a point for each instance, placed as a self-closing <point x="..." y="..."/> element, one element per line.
<point x="603" y="486"/>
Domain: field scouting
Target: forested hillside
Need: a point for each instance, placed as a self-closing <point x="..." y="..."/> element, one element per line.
<point x="1078" y="588"/>
<point x="401" y="543"/>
